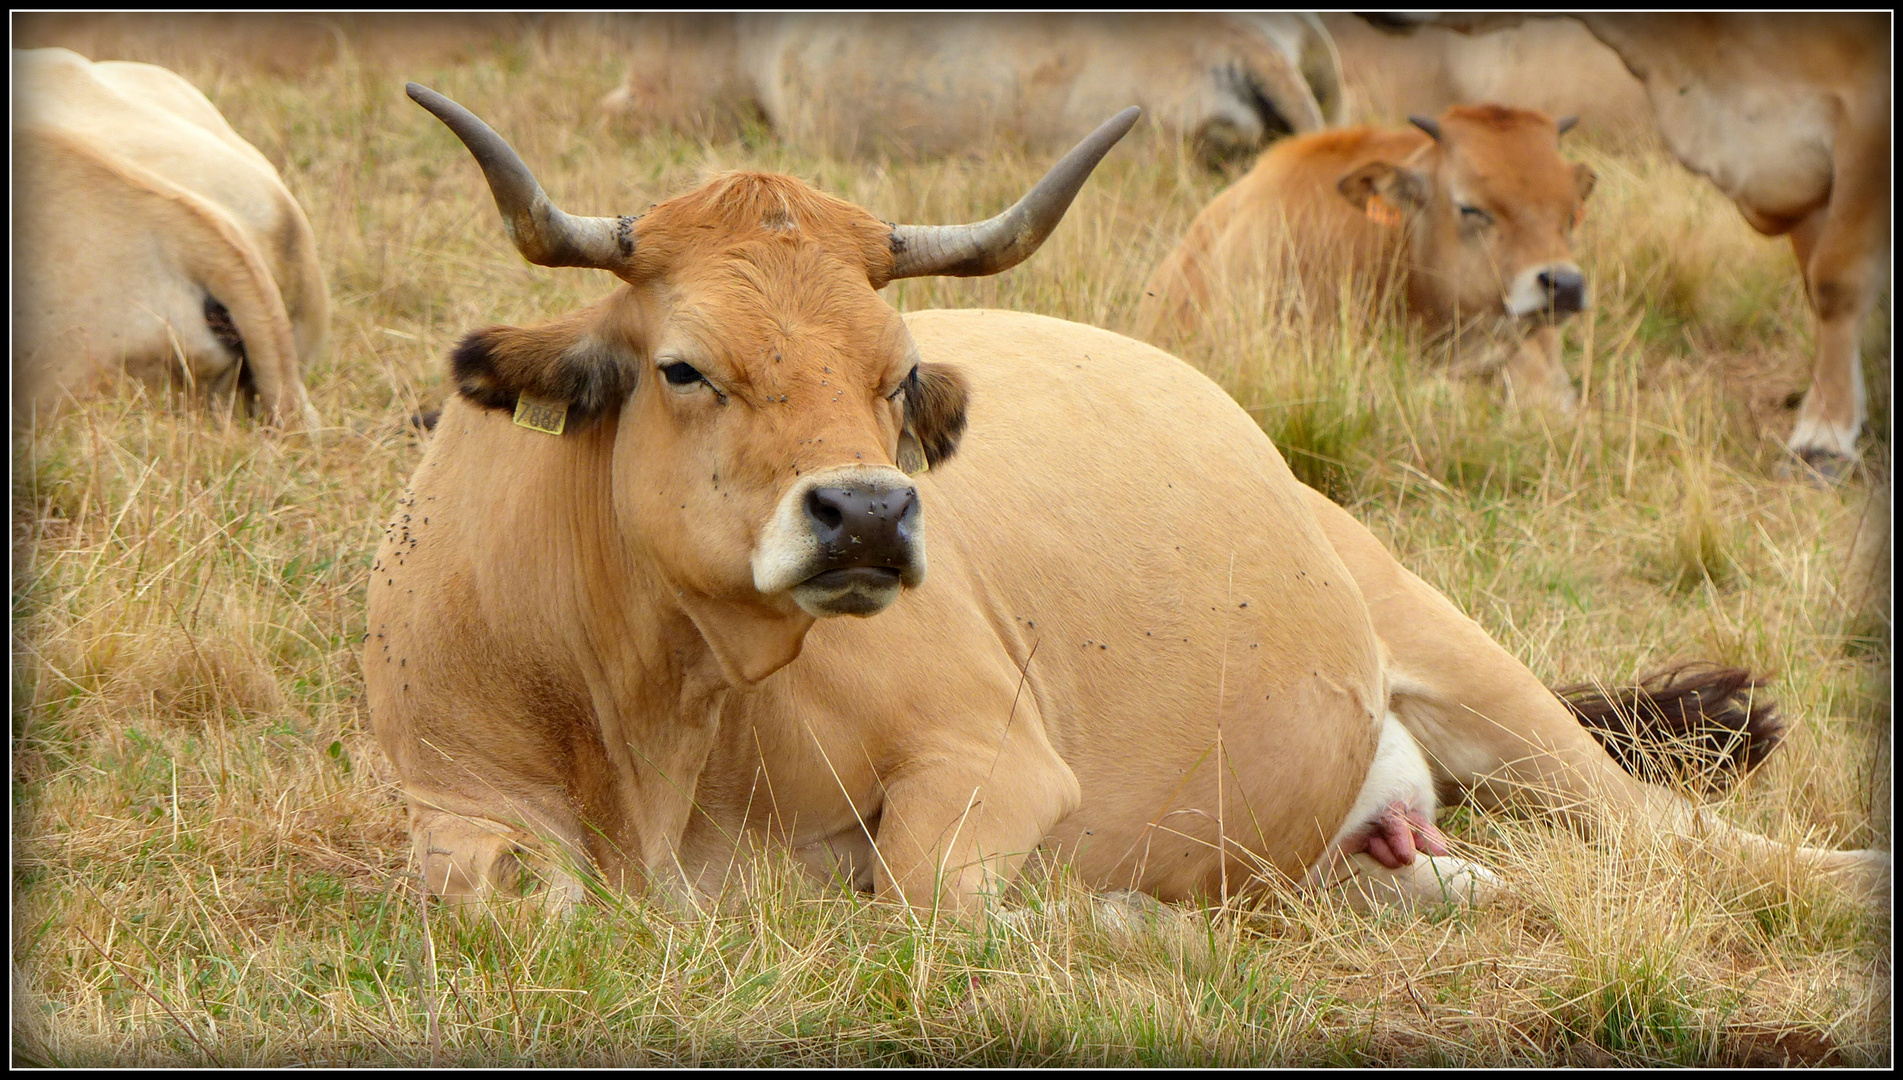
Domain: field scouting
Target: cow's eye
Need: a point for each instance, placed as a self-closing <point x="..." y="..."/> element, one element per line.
<point x="679" y="374"/>
<point x="1473" y="215"/>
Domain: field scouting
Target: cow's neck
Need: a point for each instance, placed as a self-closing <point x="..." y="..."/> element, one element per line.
<point x="561" y="572"/>
<point x="659" y="662"/>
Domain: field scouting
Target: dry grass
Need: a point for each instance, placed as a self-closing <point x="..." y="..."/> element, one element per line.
<point x="208" y="854"/>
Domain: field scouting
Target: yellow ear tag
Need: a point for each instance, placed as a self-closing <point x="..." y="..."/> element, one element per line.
<point x="911" y="455"/>
<point x="1381" y="213"/>
<point x="541" y="414"/>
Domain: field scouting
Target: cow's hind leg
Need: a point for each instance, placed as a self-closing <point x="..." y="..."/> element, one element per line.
<point x="1388" y="850"/>
<point x="1489" y="727"/>
<point x="1842" y="251"/>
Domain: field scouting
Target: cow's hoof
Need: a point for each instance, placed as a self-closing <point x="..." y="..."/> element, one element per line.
<point x="1816" y="464"/>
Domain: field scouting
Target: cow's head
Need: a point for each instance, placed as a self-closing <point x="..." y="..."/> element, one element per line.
<point x="1490" y="207"/>
<point x="768" y="405"/>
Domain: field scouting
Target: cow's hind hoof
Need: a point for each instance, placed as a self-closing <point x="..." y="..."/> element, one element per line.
<point x="1817" y="465"/>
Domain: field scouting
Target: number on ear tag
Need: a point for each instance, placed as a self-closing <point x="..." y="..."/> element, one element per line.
<point x="1381" y="212"/>
<point x="540" y="414"/>
<point x="911" y="455"/>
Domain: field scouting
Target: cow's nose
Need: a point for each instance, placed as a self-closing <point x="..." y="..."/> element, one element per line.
<point x="859" y="525"/>
<point x="1565" y="290"/>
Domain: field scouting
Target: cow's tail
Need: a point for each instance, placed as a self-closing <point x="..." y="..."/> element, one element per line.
<point x="1695" y="725"/>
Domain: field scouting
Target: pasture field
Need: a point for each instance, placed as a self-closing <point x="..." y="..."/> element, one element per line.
<point x="209" y="856"/>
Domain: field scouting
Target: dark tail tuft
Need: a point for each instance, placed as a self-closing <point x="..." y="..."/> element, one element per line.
<point x="1697" y="725"/>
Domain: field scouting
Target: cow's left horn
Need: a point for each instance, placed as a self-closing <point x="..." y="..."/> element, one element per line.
<point x="990" y="247"/>
<point x="542" y="233"/>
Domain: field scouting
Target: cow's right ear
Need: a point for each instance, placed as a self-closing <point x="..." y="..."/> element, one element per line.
<point x="559" y="362"/>
<point x="935" y="400"/>
<point x="1395" y="185"/>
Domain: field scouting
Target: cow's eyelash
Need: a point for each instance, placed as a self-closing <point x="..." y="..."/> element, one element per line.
<point x="910" y="378"/>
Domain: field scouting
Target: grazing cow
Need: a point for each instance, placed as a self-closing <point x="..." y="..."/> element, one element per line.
<point x="151" y="240"/>
<point x="604" y="625"/>
<point x="1789" y="115"/>
<point x="1475" y="210"/>
<point x="937" y="84"/>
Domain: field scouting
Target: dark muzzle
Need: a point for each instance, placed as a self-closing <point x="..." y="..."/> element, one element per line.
<point x="862" y="528"/>
<point x="1565" y="291"/>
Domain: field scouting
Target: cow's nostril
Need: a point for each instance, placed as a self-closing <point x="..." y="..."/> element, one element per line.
<point x="823" y="506"/>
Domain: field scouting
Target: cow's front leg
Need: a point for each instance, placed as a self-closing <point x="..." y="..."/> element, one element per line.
<point x="958" y="820"/>
<point x="1535" y="377"/>
<point x="465" y="855"/>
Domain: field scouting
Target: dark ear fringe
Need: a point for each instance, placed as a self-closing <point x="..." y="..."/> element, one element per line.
<point x="935" y="410"/>
<point x="1695" y="725"/>
<point x="473" y="368"/>
<point x="498" y="364"/>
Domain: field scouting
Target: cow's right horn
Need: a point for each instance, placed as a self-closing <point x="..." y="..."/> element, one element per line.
<point x="542" y="233"/>
<point x="990" y="247"/>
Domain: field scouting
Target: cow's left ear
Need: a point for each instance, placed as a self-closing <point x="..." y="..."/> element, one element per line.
<point x="935" y="397"/>
<point x="1583" y="180"/>
<point x="1395" y="185"/>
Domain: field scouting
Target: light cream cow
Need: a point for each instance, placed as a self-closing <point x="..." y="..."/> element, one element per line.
<point x="604" y="625"/>
<point x="151" y="240"/>
<point x="1553" y="65"/>
<point x="941" y="83"/>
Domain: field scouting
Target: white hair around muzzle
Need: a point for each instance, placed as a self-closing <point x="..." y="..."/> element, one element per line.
<point x="789" y="552"/>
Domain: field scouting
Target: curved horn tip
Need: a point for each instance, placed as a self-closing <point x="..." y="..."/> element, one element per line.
<point x="1432" y="127"/>
<point x="1566" y="123"/>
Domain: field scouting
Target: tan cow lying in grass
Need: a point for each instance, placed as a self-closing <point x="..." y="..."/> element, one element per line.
<point x="603" y="625"/>
<point x="940" y="83"/>
<point x="1788" y="114"/>
<point x="1471" y="215"/>
<point x="151" y="240"/>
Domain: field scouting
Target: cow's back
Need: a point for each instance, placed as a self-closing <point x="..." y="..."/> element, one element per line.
<point x="98" y="275"/>
<point x="1118" y="531"/>
<point x="943" y="83"/>
<point x="1282" y="236"/>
